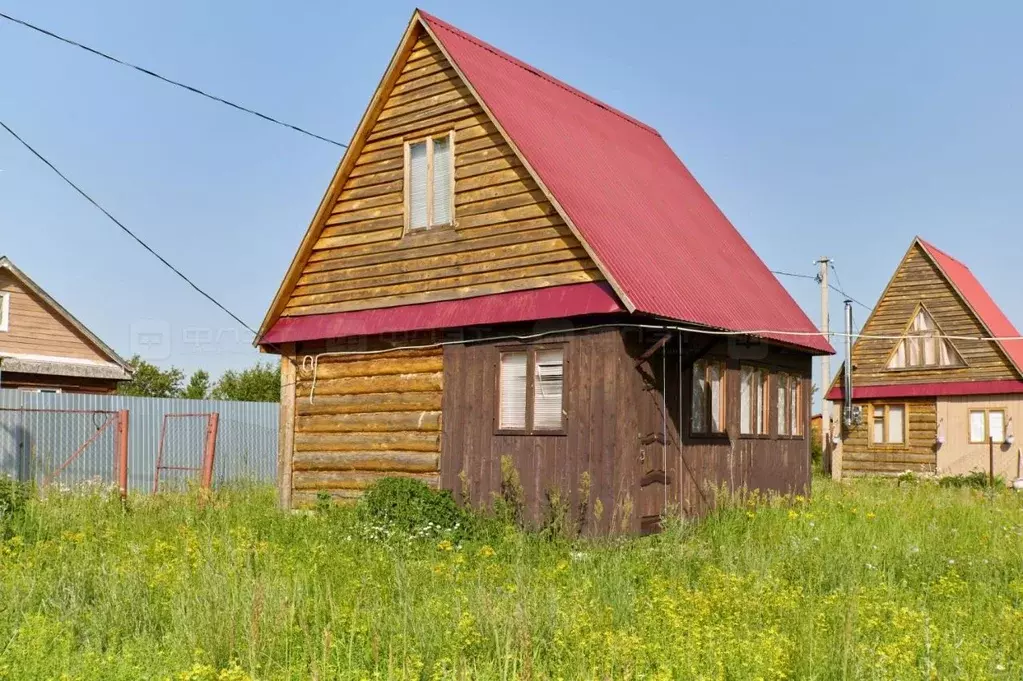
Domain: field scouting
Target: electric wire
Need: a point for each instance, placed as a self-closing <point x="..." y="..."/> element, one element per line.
<point x="171" y="81"/>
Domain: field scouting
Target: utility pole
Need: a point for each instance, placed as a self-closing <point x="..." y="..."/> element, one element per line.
<point x="824" y="263"/>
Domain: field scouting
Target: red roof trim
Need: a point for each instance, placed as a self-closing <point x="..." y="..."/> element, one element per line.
<point x="518" y="306"/>
<point x="958" y="388"/>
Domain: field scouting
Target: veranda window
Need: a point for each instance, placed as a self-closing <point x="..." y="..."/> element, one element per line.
<point x="753" y="398"/>
<point x="531" y="391"/>
<point x="708" y="407"/>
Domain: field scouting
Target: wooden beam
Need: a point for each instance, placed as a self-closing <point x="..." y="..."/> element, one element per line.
<point x="286" y="430"/>
<point x="653" y="348"/>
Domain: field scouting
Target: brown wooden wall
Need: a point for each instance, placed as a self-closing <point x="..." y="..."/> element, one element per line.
<point x="860" y="456"/>
<point x="36" y="330"/>
<point x="919" y="281"/>
<point x="506" y="236"/>
<point x="616" y="421"/>
<point x="371" y="416"/>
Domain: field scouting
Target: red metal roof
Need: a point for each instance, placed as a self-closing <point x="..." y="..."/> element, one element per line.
<point x="979" y="300"/>
<point x="957" y="388"/>
<point x="650" y="224"/>
<point x="518" y="306"/>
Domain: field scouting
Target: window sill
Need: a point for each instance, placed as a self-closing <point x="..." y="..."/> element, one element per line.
<point x="750" y="436"/>
<point x="532" y="433"/>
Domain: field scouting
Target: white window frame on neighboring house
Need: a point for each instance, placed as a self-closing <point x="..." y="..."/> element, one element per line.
<point x="5" y="311"/>
<point x="436" y="208"/>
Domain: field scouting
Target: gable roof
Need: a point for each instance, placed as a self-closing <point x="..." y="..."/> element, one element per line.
<point x="657" y="237"/>
<point x="58" y="309"/>
<point x="979" y="301"/>
<point x="976" y="298"/>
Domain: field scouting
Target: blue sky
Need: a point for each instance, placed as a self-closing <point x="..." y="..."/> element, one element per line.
<point x="819" y="128"/>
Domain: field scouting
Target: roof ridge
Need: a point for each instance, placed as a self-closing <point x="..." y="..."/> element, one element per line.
<point x="535" y="71"/>
<point x="931" y="247"/>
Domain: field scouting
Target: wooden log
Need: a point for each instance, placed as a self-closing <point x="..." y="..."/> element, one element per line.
<point x="341" y="497"/>
<point x="316" y="480"/>
<point x="402" y="383"/>
<point x="286" y="430"/>
<point x="357" y="442"/>
<point x="384" y="422"/>
<point x="382" y="365"/>
<point x="370" y="403"/>
<point x="412" y="462"/>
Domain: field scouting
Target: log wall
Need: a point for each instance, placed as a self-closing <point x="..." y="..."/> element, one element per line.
<point x="918" y="454"/>
<point x="371" y="416"/>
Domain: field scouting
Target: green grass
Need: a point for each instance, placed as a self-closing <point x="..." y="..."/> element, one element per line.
<point x="867" y="580"/>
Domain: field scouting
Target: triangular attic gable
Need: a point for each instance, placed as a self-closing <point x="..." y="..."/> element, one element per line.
<point x="358" y="253"/>
<point x="918" y="281"/>
<point x="924" y="345"/>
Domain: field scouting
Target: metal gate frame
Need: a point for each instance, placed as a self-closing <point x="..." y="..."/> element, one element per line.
<point x="120" y="418"/>
<point x="209" y="450"/>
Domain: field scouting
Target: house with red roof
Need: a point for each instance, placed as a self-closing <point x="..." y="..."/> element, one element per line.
<point x="509" y="279"/>
<point x="936" y="376"/>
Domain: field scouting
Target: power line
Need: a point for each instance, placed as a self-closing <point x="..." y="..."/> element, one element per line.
<point x="793" y="274"/>
<point x="817" y="279"/>
<point x="124" y="228"/>
<point x="170" y="81"/>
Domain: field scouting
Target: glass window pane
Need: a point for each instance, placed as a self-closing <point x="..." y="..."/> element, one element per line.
<point x="441" y="181"/>
<point x="762" y="412"/>
<point x="715" y="376"/>
<point x="417" y="186"/>
<point x="513" y="390"/>
<point x="996" y="425"/>
<point x="977" y="430"/>
<point x="896" y="425"/>
<point x="781" y="391"/>
<point x="698" y="417"/>
<point x="794" y="406"/>
<point x="548" y="390"/>
<point x="877" y="431"/>
<point x="746" y="400"/>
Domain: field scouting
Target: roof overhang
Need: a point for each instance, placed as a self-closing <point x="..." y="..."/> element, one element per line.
<point x="55" y="367"/>
<point x="950" y="389"/>
<point x="555" y="302"/>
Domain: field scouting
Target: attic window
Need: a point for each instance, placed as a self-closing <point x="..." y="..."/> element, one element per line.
<point x="5" y="311"/>
<point x="429" y="182"/>
<point x="923" y="346"/>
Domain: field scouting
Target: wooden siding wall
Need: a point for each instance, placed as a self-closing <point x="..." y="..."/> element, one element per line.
<point x="613" y="414"/>
<point x="371" y="416"/>
<point x="919" y="281"/>
<point x="506" y="236"/>
<point x="36" y="330"/>
<point x="860" y="456"/>
<point x="66" y="384"/>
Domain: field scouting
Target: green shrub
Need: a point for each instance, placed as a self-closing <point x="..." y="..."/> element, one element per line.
<point x="409" y="507"/>
<point x="976" y="479"/>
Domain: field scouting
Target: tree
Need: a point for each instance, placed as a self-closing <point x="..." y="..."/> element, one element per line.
<point x="198" y="387"/>
<point x="261" y="383"/>
<point x="148" y="380"/>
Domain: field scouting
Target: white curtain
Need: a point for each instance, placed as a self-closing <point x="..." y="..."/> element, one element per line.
<point x="896" y="425"/>
<point x="698" y="417"/>
<point x="548" y="390"/>
<point x="441" y="181"/>
<point x="513" y="390"/>
<point x="922" y="346"/>
<point x="878" y="425"/>
<point x="761" y="402"/>
<point x="746" y="400"/>
<point x="977" y="427"/>
<point x="996" y="426"/>
<point x="782" y="392"/>
<point x="417" y="186"/>
<point x="715" y="377"/>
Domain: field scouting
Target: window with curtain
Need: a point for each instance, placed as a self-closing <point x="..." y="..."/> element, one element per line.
<point x="752" y="401"/>
<point x="429" y="191"/>
<point x="987" y="423"/>
<point x="795" y="405"/>
<point x="531" y="390"/>
<point x="5" y="311"/>
<point x="923" y="346"/>
<point x="782" y="395"/>
<point x="888" y="424"/>
<point x="708" y="400"/>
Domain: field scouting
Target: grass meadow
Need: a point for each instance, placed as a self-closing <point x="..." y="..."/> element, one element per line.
<point x="866" y="580"/>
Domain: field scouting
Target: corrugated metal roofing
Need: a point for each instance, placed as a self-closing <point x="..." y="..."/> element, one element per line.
<point x="651" y="226"/>
<point x="979" y="300"/>
<point x="517" y="306"/>
<point x="954" y="388"/>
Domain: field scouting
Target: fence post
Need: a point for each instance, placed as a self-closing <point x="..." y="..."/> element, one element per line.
<point x="122" y="453"/>
<point x="210" y="451"/>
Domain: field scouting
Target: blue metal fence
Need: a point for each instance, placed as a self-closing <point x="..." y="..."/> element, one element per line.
<point x="35" y="441"/>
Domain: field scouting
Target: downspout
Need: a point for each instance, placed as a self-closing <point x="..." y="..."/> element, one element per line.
<point x="847" y="412"/>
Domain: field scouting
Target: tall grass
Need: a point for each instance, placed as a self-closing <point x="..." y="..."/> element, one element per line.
<point x="865" y="581"/>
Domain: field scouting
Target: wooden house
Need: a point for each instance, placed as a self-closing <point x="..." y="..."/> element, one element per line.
<point x="43" y="348"/>
<point x="931" y="397"/>
<point x="504" y="269"/>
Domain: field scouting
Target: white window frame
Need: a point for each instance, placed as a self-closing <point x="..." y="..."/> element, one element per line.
<point x="882" y="413"/>
<point x="532" y="379"/>
<point x="5" y="311"/>
<point x="755" y="387"/>
<point x="430" y="222"/>
<point x="707" y="428"/>
<point x="987" y="424"/>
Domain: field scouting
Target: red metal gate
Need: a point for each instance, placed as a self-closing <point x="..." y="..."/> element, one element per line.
<point x="183" y="439"/>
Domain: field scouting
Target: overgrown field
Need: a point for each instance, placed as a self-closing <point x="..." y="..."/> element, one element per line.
<point x="867" y="580"/>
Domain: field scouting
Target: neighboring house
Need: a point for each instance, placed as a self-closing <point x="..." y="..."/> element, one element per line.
<point x="497" y="274"/>
<point x="929" y="400"/>
<point x="43" y="348"/>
